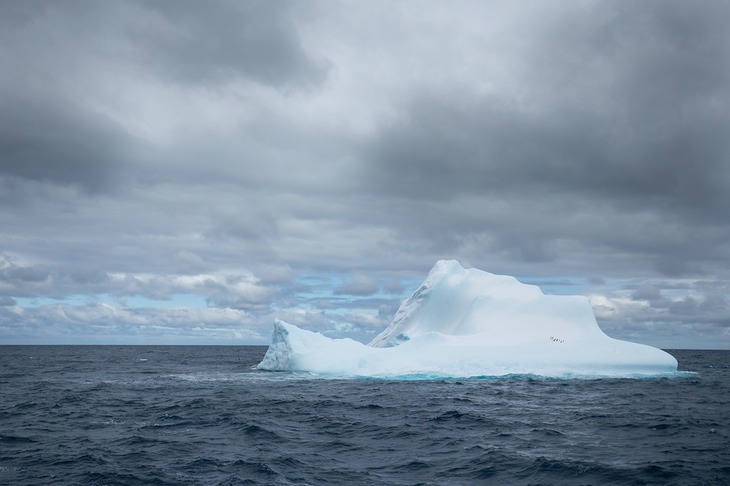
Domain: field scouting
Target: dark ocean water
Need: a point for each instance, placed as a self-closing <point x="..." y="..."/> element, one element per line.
<point x="201" y="415"/>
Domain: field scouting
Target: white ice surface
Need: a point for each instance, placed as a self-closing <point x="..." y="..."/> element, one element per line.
<point x="462" y="323"/>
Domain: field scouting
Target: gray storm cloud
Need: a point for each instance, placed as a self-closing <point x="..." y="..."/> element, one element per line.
<point x="230" y="151"/>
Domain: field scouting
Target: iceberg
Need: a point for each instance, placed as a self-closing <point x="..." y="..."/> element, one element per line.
<point x="470" y="323"/>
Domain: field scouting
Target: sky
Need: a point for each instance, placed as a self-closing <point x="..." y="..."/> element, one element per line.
<point x="184" y="172"/>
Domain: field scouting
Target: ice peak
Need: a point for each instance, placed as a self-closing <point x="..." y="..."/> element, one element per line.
<point x="457" y="301"/>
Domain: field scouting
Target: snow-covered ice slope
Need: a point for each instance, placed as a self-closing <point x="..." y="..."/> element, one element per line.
<point x="463" y="323"/>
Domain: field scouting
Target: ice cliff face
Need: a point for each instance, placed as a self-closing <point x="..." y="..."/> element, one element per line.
<point x="471" y="323"/>
<point x="460" y="302"/>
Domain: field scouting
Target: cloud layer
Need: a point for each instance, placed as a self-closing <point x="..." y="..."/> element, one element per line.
<point x="177" y="172"/>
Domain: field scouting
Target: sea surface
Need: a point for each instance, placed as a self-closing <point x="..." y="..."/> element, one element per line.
<point x="158" y="415"/>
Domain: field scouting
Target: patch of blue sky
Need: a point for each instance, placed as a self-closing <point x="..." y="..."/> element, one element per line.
<point x="72" y="300"/>
<point x="557" y="285"/>
<point x="321" y="293"/>
<point x="329" y="283"/>
<point x="175" y="301"/>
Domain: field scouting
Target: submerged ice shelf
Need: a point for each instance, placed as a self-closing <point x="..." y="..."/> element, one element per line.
<point x="462" y="323"/>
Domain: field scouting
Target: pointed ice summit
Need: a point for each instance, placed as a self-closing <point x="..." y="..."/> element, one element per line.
<point x="462" y="323"/>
